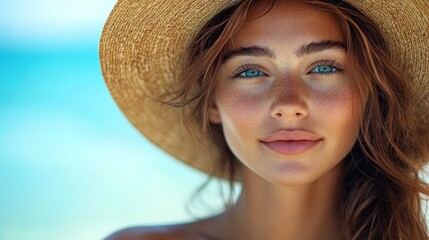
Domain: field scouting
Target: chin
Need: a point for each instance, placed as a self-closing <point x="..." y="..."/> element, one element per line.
<point x="293" y="175"/>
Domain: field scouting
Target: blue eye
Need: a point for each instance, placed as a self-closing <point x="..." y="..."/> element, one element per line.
<point x="324" y="69"/>
<point x="251" y="73"/>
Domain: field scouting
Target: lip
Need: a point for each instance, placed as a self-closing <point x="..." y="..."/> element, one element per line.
<point x="291" y="142"/>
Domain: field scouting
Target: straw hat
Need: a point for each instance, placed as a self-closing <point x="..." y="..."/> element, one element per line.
<point x="143" y="45"/>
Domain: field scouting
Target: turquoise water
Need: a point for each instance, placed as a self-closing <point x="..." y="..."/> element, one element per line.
<point x="72" y="167"/>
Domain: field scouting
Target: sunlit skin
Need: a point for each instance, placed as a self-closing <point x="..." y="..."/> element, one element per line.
<point x="288" y="196"/>
<point x="282" y="84"/>
<point x="259" y="95"/>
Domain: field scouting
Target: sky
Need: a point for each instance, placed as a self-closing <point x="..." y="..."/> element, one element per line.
<point x="72" y="166"/>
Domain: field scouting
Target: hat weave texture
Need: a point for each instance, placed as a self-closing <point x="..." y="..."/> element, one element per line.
<point x="142" y="52"/>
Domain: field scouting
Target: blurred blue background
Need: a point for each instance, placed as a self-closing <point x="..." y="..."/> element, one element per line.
<point x="71" y="166"/>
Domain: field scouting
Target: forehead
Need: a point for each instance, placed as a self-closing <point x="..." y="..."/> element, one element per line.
<point x="290" y="22"/>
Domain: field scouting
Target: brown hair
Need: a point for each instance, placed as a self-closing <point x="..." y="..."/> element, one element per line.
<point x="382" y="189"/>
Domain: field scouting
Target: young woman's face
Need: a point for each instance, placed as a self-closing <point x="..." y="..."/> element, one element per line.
<point x="286" y="100"/>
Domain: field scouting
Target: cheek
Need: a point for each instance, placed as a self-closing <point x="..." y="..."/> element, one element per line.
<point x="240" y="109"/>
<point x="241" y="113"/>
<point x="339" y="111"/>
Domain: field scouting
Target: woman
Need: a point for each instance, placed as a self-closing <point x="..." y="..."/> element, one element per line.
<point x="318" y="108"/>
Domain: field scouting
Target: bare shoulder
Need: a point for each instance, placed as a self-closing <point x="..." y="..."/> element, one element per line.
<point x="199" y="230"/>
<point x="144" y="233"/>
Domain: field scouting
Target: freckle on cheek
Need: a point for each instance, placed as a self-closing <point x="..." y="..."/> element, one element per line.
<point x="242" y="110"/>
<point x="243" y="104"/>
<point x="334" y="97"/>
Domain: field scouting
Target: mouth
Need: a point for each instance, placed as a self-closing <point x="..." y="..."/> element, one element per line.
<point x="292" y="147"/>
<point x="291" y="142"/>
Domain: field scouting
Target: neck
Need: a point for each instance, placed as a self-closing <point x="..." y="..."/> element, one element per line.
<point x="268" y="211"/>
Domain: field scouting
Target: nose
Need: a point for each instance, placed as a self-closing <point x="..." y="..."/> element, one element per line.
<point x="289" y="100"/>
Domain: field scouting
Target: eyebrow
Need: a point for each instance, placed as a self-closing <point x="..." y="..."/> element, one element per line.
<point x="255" y="51"/>
<point x="260" y="51"/>
<point x="319" y="46"/>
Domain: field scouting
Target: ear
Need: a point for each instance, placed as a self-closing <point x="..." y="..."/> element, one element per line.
<point x="214" y="115"/>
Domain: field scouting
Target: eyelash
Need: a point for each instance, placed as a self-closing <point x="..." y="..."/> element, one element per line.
<point x="246" y="67"/>
<point x="330" y="63"/>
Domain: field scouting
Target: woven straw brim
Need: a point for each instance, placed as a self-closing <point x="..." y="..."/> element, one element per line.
<point x="143" y="46"/>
